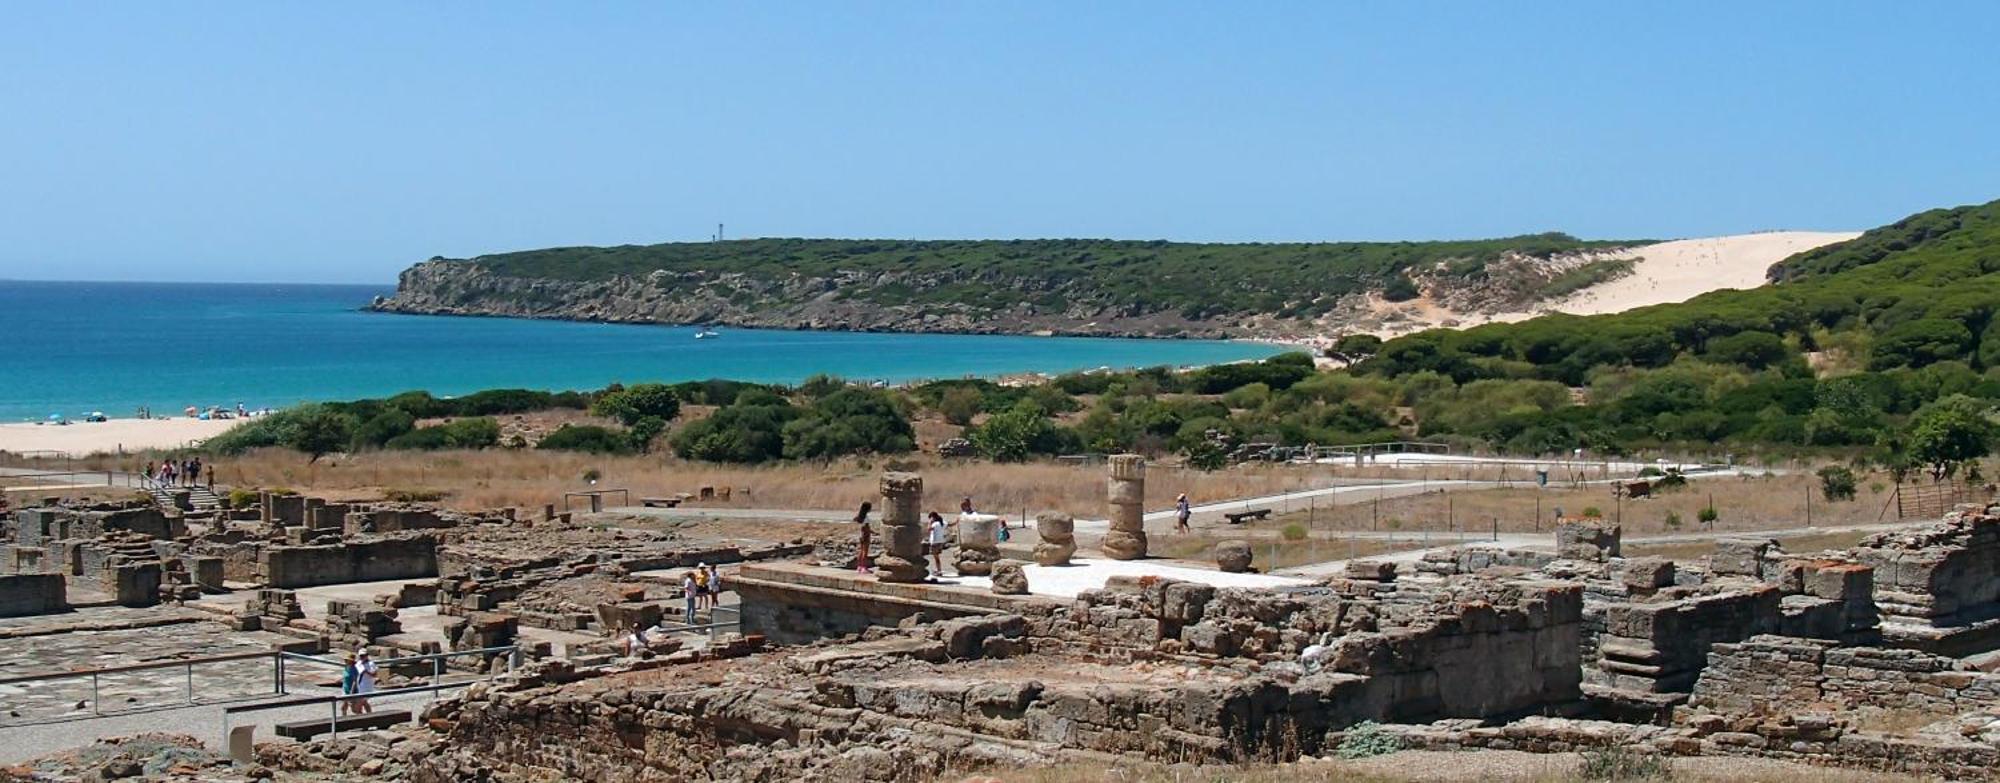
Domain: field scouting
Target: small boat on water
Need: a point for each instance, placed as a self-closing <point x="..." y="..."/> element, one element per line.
<point x="705" y="333"/>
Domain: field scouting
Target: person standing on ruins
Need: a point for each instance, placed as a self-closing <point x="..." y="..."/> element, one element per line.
<point x="964" y="506"/>
<point x="688" y="594"/>
<point x="861" y="561"/>
<point x="1181" y="513"/>
<point x="714" y="588"/>
<point x="937" y="540"/>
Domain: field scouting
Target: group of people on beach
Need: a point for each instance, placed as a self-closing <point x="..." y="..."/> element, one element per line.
<point x="701" y="588"/>
<point x="182" y="473"/>
<point x="936" y="541"/>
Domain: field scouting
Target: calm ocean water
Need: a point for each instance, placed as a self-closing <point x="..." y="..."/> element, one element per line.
<point x="71" y="348"/>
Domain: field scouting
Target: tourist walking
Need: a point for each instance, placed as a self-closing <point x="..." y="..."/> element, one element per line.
<point x="688" y="594"/>
<point x="211" y="475"/>
<point x="347" y="674"/>
<point x="937" y="543"/>
<point x="1181" y="513"/>
<point x="149" y="472"/>
<point x="364" y="681"/>
<point x="714" y="588"/>
<point x="861" y="561"/>
<point x="701" y="585"/>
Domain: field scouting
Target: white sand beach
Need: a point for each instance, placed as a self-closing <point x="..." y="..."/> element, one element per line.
<point x="81" y="438"/>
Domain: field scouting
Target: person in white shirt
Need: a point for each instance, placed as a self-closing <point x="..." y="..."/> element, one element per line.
<point x="364" y="681"/>
<point x="937" y="543"/>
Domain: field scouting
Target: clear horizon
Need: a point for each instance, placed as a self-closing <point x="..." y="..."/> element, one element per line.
<point x="293" y="144"/>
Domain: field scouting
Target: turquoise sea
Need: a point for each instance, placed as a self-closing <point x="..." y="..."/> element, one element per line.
<point x="73" y="348"/>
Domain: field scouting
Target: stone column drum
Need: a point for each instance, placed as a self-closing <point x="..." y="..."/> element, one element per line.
<point x="902" y="558"/>
<point x="978" y="543"/>
<point x="1127" y="539"/>
<point x="1058" y="533"/>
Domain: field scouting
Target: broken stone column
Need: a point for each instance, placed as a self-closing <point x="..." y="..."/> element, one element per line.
<point x="1233" y="556"/>
<point x="1009" y="579"/>
<point x="1127" y="496"/>
<point x="978" y="543"/>
<point x="902" y="529"/>
<point x="1058" y="533"/>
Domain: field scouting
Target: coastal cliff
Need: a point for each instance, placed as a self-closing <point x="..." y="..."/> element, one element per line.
<point x="1070" y="287"/>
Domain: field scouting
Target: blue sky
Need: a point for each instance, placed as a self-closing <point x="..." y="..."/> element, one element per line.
<point x="341" y="142"/>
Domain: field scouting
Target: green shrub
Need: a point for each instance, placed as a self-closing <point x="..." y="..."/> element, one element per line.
<point x="384" y="427"/>
<point x="1836" y="483"/>
<point x="1706" y="515"/>
<point x="639" y="401"/>
<point x="476" y="433"/>
<point x="587" y="438"/>
<point x="1673" y="520"/>
<point x="1619" y="764"/>
<point x="243" y="498"/>
<point x="1294" y="532"/>
<point x="959" y="404"/>
<point x="1593" y="512"/>
<point x="1367" y="739"/>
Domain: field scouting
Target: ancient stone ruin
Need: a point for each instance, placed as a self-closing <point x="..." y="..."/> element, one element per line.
<point x="1058" y="538"/>
<point x="902" y="529"/>
<point x="978" y="544"/>
<point x="1126" y="492"/>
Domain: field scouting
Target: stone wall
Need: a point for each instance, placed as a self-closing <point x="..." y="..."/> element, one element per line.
<point x="1938" y="588"/>
<point x="1767" y="673"/>
<point x="29" y="594"/>
<point x="412" y="557"/>
<point x="789" y="608"/>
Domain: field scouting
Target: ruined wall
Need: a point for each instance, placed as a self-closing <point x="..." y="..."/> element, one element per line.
<point x="794" y="613"/>
<point x="1938" y="588"/>
<point x="29" y="594"/>
<point x="413" y="557"/>
<point x="1767" y="673"/>
<point x="1661" y="647"/>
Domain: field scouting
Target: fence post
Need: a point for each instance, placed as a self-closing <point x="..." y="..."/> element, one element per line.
<point x="93" y="695"/>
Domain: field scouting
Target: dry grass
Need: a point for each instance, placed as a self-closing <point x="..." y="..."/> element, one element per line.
<point x="1695" y="550"/>
<point x="527" y="478"/>
<point x="1741" y="503"/>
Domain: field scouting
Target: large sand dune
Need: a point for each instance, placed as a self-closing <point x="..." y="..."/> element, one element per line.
<point x="1683" y="269"/>
<point x="1667" y="272"/>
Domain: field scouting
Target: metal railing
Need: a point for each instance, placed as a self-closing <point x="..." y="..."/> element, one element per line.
<point x="334" y="702"/>
<point x="96" y="676"/>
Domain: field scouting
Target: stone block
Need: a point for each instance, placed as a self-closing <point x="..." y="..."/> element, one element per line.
<point x="1740" y="556"/>
<point x="1594" y="540"/>
<point x="1841" y="582"/>
<point x="1233" y="556"/>
<point x="1371" y="570"/>
<point x="1648" y="573"/>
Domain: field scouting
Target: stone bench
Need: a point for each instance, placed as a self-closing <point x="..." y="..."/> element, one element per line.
<point x="660" y="502"/>
<point x="307" y="729"/>
<point x="1236" y="518"/>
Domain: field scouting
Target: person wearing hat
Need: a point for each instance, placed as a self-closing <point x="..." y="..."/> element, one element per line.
<point x="1181" y="513"/>
<point x="364" y="681"/>
<point x="347" y="684"/>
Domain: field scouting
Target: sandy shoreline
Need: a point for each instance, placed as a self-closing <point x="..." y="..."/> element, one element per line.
<point x="80" y="438"/>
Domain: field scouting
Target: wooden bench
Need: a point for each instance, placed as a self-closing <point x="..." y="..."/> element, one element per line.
<point x="1236" y="518"/>
<point x="660" y="502"/>
<point x="307" y="729"/>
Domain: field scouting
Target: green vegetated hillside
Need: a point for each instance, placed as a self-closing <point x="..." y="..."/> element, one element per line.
<point x="1882" y="349"/>
<point x="1190" y="278"/>
<point x="1853" y="337"/>
<point x="1067" y="286"/>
